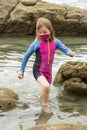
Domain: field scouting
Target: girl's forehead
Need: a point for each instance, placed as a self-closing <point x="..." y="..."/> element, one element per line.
<point x="43" y="28"/>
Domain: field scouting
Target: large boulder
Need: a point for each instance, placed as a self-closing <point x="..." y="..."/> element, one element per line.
<point x="18" y="17"/>
<point x="59" y="127"/>
<point x="6" y="6"/>
<point x="73" y="77"/>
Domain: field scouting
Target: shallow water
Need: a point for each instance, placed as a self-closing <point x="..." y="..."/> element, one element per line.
<point x="66" y="108"/>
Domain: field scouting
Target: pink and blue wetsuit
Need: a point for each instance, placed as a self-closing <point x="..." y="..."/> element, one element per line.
<point x="44" y="57"/>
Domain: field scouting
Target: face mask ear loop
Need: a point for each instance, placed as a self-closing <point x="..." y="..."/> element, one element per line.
<point x="48" y="52"/>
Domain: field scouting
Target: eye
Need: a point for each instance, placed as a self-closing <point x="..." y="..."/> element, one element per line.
<point x="45" y="32"/>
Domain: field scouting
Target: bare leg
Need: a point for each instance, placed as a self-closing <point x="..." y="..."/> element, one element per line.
<point x="45" y="86"/>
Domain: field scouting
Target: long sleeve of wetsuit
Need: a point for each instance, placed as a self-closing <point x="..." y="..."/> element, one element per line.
<point x="32" y="48"/>
<point x="62" y="47"/>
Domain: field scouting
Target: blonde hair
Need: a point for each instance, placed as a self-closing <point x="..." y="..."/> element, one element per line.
<point x="46" y="23"/>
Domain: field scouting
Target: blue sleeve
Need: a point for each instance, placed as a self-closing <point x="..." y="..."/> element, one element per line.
<point x="61" y="46"/>
<point x="32" y="48"/>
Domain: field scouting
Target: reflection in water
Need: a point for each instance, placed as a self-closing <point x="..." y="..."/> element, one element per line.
<point x="43" y="118"/>
<point x="66" y="108"/>
<point x="20" y="126"/>
<point x="72" y="103"/>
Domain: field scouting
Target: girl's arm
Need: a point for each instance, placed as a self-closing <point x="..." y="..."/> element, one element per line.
<point x="32" y="48"/>
<point x="63" y="48"/>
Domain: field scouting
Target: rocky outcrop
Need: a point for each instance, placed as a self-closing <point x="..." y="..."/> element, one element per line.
<point x="73" y="77"/>
<point x="18" y="17"/>
<point x="6" y="7"/>
<point x="59" y="127"/>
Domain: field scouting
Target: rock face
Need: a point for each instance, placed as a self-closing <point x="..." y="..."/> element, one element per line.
<point x="18" y="17"/>
<point x="58" y="127"/>
<point x="73" y="77"/>
<point x="6" y="6"/>
<point x="8" y="99"/>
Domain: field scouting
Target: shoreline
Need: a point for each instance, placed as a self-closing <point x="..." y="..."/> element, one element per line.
<point x="72" y="40"/>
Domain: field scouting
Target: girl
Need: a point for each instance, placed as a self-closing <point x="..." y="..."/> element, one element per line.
<point x="44" y="46"/>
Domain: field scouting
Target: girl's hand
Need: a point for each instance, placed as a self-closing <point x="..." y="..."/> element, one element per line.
<point x="71" y="54"/>
<point x="20" y="75"/>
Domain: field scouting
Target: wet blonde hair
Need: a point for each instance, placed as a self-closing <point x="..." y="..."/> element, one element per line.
<point x="44" y="22"/>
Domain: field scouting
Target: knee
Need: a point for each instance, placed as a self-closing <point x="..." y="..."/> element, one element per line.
<point x="46" y="88"/>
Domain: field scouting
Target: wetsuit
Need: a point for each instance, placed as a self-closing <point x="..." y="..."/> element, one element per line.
<point x="44" y="57"/>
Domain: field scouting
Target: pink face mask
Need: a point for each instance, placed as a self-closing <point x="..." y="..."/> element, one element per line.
<point x="44" y="37"/>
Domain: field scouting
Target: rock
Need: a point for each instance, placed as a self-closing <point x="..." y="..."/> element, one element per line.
<point x="8" y="99"/>
<point x="29" y="2"/>
<point x="6" y="6"/>
<point x="59" y="127"/>
<point x="73" y="77"/>
<point x="20" y="17"/>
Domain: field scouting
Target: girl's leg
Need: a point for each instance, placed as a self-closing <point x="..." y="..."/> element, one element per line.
<point x="45" y="86"/>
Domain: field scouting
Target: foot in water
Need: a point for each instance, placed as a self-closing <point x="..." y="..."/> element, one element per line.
<point x="46" y="108"/>
<point x="43" y="117"/>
